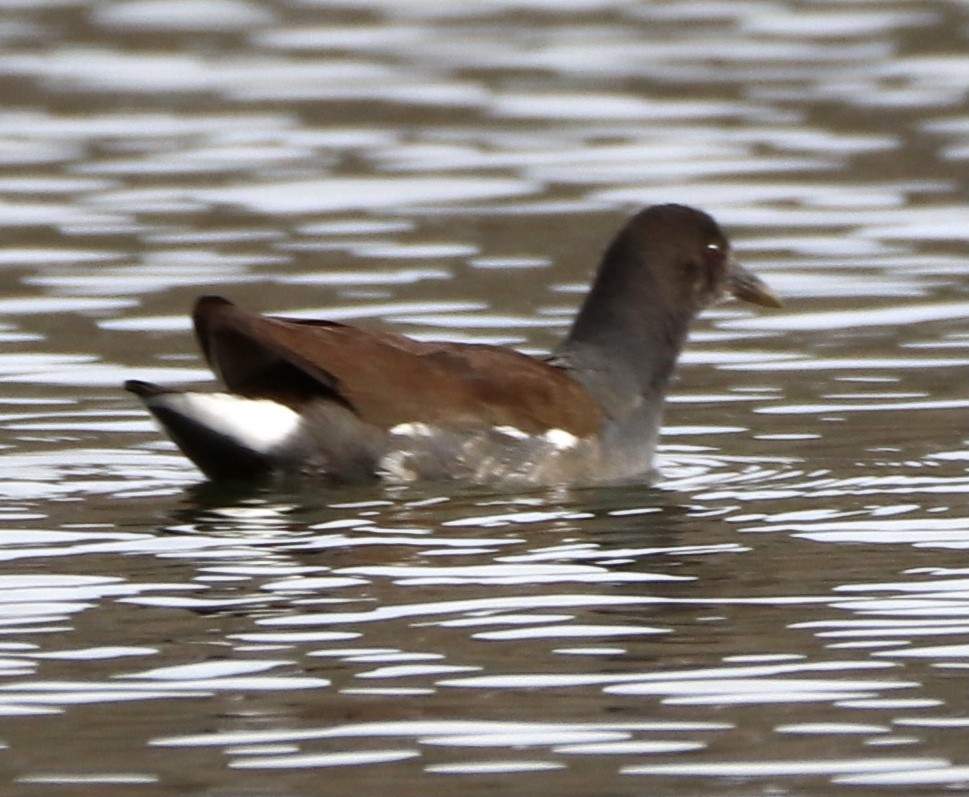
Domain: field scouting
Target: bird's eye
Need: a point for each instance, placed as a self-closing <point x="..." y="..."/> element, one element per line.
<point x="708" y="272"/>
<point x="715" y="254"/>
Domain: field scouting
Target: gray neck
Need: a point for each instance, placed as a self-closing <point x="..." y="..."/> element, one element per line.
<point x="625" y="341"/>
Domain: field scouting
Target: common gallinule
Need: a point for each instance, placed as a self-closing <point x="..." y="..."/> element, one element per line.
<point x="342" y="404"/>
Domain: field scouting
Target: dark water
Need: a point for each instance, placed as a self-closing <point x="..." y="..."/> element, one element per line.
<point x="786" y="613"/>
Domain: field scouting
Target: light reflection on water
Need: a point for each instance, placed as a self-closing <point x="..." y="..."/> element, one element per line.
<point x="791" y="588"/>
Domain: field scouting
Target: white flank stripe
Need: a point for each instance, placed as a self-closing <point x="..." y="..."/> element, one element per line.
<point x="511" y="431"/>
<point x="561" y="439"/>
<point x="412" y="430"/>
<point x="259" y="424"/>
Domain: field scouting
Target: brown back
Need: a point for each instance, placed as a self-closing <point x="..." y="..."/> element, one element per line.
<point x="390" y="379"/>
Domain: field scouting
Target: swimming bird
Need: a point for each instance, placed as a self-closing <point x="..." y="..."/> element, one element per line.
<point x="338" y="403"/>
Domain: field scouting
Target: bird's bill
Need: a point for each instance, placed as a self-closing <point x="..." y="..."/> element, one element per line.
<point x="744" y="285"/>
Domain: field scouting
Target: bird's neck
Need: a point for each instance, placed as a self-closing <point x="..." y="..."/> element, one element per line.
<point x="624" y="343"/>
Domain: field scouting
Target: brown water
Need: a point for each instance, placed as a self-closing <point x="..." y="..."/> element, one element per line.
<point x="786" y="613"/>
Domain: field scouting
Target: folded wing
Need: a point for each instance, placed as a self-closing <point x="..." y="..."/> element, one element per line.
<point x="388" y="379"/>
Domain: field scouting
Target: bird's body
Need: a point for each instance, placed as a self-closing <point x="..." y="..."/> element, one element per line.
<point x="331" y="401"/>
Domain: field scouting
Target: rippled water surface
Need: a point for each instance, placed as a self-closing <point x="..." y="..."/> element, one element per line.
<point x="787" y="612"/>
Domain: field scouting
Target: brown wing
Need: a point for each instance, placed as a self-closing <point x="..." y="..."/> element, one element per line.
<point x="390" y="379"/>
